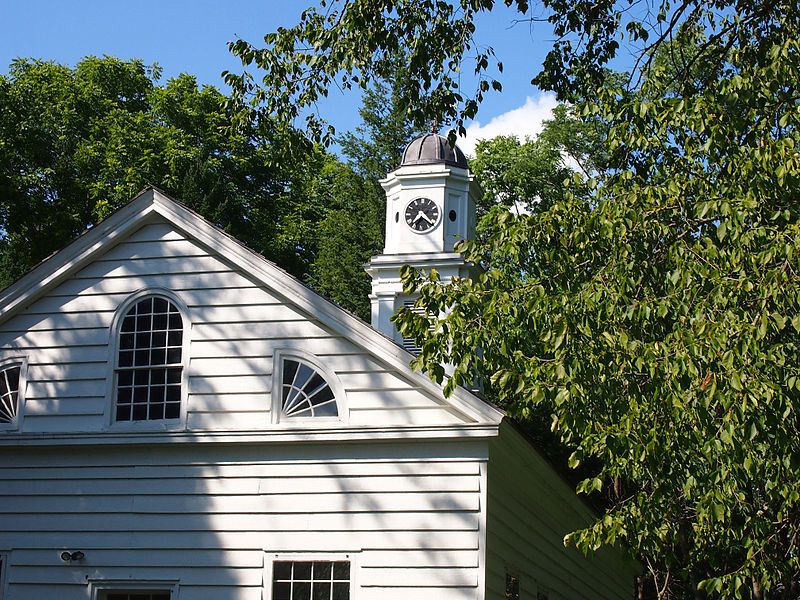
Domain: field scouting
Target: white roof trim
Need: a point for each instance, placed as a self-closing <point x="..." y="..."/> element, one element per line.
<point x="152" y="202"/>
<point x="67" y="261"/>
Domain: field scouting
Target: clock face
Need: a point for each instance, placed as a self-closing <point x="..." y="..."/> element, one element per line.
<point x="422" y="214"/>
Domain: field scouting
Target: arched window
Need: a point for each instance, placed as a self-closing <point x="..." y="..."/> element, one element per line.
<point x="10" y="385"/>
<point x="149" y="368"/>
<point x="304" y="390"/>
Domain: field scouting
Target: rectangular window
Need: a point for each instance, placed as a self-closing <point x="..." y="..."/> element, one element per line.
<point x="311" y="580"/>
<point x="141" y="595"/>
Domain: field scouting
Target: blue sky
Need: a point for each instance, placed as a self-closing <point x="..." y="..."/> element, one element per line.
<point x="191" y="36"/>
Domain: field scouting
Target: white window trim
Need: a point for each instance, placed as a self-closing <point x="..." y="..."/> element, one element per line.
<point x="98" y="586"/>
<point x="11" y="360"/>
<point x="113" y="350"/>
<point x="271" y="557"/>
<point x="277" y="389"/>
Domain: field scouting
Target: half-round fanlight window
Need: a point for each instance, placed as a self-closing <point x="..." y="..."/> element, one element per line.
<point x="305" y="393"/>
<point x="9" y="394"/>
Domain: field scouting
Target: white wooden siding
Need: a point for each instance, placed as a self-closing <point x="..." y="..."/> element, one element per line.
<point x="236" y="326"/>
<point x="529" y="511"/>
<point x="210" y="515"/>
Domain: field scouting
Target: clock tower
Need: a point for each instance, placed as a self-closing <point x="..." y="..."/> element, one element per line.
<point x="430" y="206"/>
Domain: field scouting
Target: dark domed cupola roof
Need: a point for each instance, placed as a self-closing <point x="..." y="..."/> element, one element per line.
<point x="433" y="149"/>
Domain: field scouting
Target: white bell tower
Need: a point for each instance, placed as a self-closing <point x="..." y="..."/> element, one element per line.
<point x="430" y="205"/>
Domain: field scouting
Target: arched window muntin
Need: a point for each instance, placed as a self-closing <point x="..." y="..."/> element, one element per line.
<point x="13" y="373"/>
<point x="302" y="388"/>
<point x="128" y="370"/>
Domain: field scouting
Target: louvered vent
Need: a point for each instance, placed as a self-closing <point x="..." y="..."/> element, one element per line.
<point x="408" y="344"/>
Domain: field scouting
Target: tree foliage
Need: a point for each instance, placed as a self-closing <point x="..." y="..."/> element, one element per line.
<point x="75" y="144"/>
<point x="652" y="307"/>
<point x="353" y="230"/>
<point x="376" y="146"/>
<point x="529" y="175"/>
<point x="351" y="44"/>
<point x="350" y="233"/>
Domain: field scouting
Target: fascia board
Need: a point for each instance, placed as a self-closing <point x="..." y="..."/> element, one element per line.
<point x="284" y="284"/>
<point x="51" y="271"/>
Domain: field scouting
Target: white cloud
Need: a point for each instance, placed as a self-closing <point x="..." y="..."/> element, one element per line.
<point x="525" y="121"/>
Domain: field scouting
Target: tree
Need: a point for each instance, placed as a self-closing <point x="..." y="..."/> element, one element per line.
<point x="352" y="231"/>
<point x="376" y="147"/>
<point x="525" y="176"/>
<point x="529" y="176"/>
<point x="656" y="314"/>
<point x="75" y="144"/>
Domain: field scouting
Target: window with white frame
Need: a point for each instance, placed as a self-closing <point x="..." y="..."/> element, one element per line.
<point x="304" y="391"/>
<point x="103" y="589"/>
<point x="149" y="363"/>
<point x="137" y="595"/>
<point x="11" y="387"/>
<point x="311" y="580"/>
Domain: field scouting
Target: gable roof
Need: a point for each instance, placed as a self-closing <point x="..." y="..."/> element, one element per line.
<point x="152" y="204"/>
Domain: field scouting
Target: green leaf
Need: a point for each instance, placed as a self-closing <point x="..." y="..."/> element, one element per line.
<point x="736" y="383"/>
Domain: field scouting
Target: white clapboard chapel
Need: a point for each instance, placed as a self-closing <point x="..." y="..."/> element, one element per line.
<point x="181" y="419"/>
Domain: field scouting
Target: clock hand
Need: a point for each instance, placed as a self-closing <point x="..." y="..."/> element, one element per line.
<point x="422" y="215"/>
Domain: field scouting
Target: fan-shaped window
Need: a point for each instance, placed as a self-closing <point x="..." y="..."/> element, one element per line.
<point x="9" y="395"/>
<point x="149" y="366"/>
<point x="305" y="392"/>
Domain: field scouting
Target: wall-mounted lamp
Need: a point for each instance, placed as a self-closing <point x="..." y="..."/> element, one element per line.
<point x="68" y="556"/>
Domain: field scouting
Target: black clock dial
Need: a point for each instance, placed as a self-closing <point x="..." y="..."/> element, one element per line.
<point x="422" y="214"/>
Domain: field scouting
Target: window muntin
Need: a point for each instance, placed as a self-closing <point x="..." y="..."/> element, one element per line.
<point x="149" y="368"/>
<point x="311" y="580"/>
<point x="305" y="393"/>
<point x="9" y="394"/>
